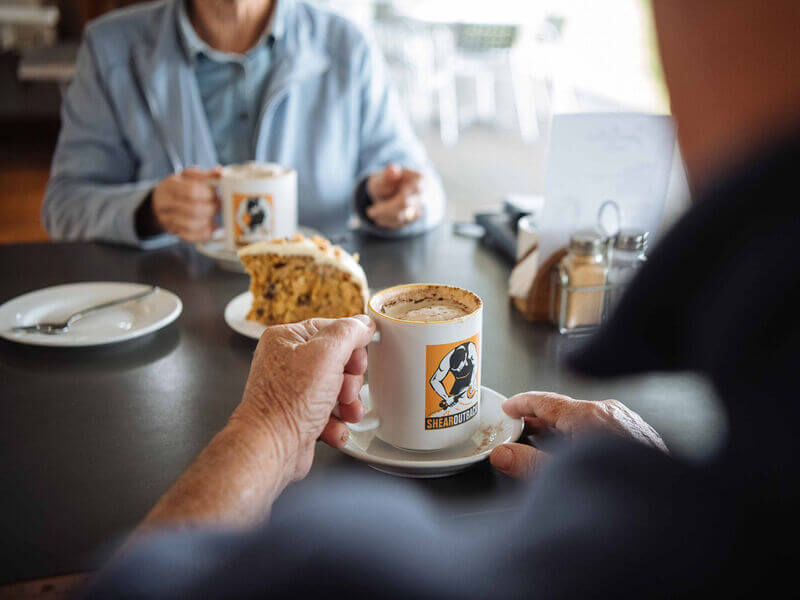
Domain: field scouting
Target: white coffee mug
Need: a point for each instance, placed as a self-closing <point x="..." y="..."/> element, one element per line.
<point x="424" y="377"/>
<point x="259" y="202"/>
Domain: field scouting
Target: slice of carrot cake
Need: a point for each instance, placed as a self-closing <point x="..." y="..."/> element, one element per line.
<point x="299" y="278"/>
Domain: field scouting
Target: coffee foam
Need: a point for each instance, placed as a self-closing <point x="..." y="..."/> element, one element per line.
<point x="426" y="303"/>
<point x="426" y="311"/>
<point x="255" y="170"/>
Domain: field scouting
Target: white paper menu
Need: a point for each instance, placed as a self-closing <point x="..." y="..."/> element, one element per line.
<point x="597" y="157"/>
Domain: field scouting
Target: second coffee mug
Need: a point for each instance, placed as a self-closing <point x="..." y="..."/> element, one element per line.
<point x="259" y="202"/>
<point x="424" y="365"/>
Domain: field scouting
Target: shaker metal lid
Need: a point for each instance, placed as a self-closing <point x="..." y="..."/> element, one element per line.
<point x="586" y="242"/>
<point x="631" y="239"/>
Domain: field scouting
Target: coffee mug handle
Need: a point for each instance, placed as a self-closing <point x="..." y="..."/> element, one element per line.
<point x="370" y="420"/>
<point x="215" y="183"/>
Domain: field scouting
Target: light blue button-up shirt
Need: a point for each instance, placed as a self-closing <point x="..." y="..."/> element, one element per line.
<point x="231" y="89"/>
<point x="139" y="109"/>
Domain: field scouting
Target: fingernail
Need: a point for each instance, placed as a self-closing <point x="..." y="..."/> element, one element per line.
<point x="345" y="435"/>
<point x="502" y="458"/>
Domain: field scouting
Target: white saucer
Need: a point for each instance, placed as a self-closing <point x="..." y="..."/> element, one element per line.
<point x="495" y="428"/>
<point x="227" y="259"/>
<point x="236" y="316"/>
<point x="115" y="324"/>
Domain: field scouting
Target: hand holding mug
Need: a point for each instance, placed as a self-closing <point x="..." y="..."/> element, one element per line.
<point x="185" y="204"/>
<point x="396" y="197"/>
<point x="545" y="411"/>
<point x="304" y="384"/>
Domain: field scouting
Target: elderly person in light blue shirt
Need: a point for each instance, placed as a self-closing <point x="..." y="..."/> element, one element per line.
<point x="165" y="92"/>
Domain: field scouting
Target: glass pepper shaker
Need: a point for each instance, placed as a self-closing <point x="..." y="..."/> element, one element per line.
<point x="627" y="256"/>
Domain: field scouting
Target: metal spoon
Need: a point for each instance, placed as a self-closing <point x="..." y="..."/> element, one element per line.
<point x="62" y="327"/>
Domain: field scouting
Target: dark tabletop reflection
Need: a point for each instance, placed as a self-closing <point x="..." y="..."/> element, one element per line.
<point x="93" y="360"/>
<point x="90" y="438"/>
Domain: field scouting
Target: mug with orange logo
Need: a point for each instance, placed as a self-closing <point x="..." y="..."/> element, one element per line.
<point x="424" y="365"/>
<point x="259" y="202"/>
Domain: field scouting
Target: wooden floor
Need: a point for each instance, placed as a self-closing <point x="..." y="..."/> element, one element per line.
<point x="25" y="151"/>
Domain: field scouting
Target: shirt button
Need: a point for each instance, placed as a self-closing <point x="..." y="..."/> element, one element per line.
<point x="243" y="116"/>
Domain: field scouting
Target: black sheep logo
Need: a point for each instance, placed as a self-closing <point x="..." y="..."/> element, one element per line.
<point x="253" y="216"/>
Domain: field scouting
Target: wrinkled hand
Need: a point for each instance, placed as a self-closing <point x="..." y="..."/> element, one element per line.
<point x="545" y="411"/>
<point x="396" y="197"/>
<point x="185" y="204"/>
<point x="304" y="383"/>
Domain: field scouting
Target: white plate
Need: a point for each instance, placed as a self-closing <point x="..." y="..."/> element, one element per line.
<point x="227" y="259"/>
<point x="495" y="428"/>
<point x="116" y="324"/>
<point x="236" y="316"/>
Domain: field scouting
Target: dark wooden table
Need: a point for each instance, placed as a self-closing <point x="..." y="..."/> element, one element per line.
<point x="90" y="438"/>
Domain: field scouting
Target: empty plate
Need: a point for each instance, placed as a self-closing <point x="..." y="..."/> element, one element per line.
<point x="115" y="324"/>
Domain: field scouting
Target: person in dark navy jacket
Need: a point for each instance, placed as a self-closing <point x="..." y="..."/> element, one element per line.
<point x="608" y="513"/>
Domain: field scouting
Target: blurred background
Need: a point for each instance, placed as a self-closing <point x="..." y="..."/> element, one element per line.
<point x="480" y="80"/>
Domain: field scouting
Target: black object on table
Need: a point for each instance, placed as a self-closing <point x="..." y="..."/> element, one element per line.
<point x="501" y="233"/>
<point x="500" y="226"/>
<point x="90" y="438"/>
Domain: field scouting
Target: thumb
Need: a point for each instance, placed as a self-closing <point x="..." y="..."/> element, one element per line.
<point x="392" y="172"/>
<point x="342" y="336"/>
<point x="383" y="183"/>
<point x="517" y="460"/>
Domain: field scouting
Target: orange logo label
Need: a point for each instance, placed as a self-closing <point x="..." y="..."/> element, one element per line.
<point x="252" y="217"/>
<point x="453" y="377"/>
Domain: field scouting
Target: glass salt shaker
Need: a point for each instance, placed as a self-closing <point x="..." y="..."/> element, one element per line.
<point x="627" y="256"/>
<point x="582" y="275"/>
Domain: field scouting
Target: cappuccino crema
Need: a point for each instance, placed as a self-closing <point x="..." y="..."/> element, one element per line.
<point x="427" y="303"/>
<point x="426" y="310"/>
<point x="254" y="170"/>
